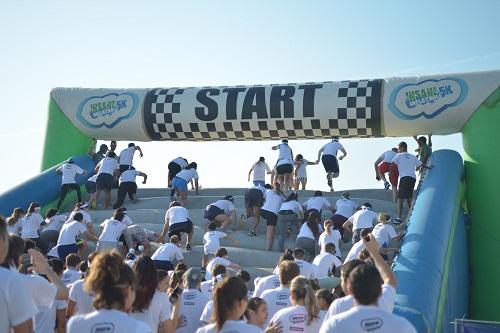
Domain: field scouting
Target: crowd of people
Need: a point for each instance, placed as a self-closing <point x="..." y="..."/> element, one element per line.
<point x="55" y="281"/>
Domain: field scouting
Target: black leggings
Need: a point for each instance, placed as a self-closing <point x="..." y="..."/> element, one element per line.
<point x="125" y="188"/>
<point x="64" y="191"/>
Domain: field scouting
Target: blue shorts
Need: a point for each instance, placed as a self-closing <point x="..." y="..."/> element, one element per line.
<point x="211" y="212"/>
<point x="259" y="182"/>
<point x="330" y="163"/>
<point x="179" y="184"/>
<point x="64" y="250"/>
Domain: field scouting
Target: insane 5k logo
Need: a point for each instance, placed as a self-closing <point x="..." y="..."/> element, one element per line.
<point x="427" y="98"/>
<point x="107" y="110"/>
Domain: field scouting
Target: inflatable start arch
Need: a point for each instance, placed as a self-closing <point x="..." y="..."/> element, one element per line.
<point x="440" y="104"/>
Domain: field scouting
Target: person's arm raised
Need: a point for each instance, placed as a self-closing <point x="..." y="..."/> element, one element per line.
<point x="373" y="248"/>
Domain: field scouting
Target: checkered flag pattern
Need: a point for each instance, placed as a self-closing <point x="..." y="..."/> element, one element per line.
<point x="356" y="114"/>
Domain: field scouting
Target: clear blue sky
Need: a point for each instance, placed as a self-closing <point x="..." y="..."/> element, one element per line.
<point x="124" y="44"/>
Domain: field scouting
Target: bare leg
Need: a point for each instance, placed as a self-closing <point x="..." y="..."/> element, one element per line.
<point x="183" y="196"/>
<point x="269" y="237"/>
<point x="204" y="261"/>
<point x="395" y="194"/>
<point x="97" y="196"/>
<point x="107" y="199"/>
<point x="400" y="208"/>
<point x="296" y="184"/>
<point x="304" y="182"/>
<point x="190" y="236"/>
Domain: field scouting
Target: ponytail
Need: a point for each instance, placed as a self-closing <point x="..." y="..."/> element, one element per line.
<point x="312" y="223"/>
<point x="301" y="290"/>
<point x="232" y="290"/>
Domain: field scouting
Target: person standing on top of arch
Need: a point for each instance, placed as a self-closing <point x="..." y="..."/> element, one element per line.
<point x="284" y="165"/>
<point x="329" y="159"/>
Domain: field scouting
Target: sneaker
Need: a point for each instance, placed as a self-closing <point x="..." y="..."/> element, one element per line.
<point x="387" y="185"/>
<point x="252" y="233"/>
<point x="243" y="219"/>
<point x="397" y="220"/>
<point x="188" y="247"/>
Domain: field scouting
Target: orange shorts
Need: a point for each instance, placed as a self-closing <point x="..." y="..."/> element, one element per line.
<point x="392" y="169"/>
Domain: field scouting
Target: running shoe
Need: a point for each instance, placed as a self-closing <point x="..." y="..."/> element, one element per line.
<point x="397" y="220"/>
<point x="387" y="185"/>
<point x="243" y="219"/>
<point x="252" y="233"/>
<point x="188" y="247"/>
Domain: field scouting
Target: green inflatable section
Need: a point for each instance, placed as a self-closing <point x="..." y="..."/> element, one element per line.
<point x="62" y="138"/>
<point x="481" y="138"/>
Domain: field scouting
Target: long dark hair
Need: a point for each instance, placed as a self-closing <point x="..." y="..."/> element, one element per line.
<point x="312" y="223"/>
<point x="232" y="290"/>
<point x="147" y="281"/>
<point x="192" y="165"/>
<point x="17" y="213"/>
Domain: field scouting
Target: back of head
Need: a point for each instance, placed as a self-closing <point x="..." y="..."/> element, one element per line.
<point x="262" y="159"/>
<point x="318" y="193"/>
<point x="348" y="267"/>
<point x="422" y="140"/>
<point x="226" y="295"/>
<point x="326" y="295"/>
<point x="174" y="204"/>
<point x="229" y="198"/>
<point x="212" y="226"/>
<point x="147" y="280"/>
<point x="32" y="207"/>
<point x="300" y="289"/>
<point x="16" y="214"/>
<point x="78" y="217"/>
<point x="218" y="269"/>
<point x="192" y="278"/>
<point x="287" y="271"/>
<point x="346" y="195"/>
<point x="244" y="275"/>
<point x="292" y="197"/>
<point x="73" y="260"/>
<point x="174" y="239"/>
<point x="109" y="279"/>
<point x="367" y="205"/>
<point x="57" y="265"/>
<point x="268" y="186"/>
<point x="111" y="154"/>
<point x="221" y="252"/>
<point x="131" y="144"/>
<point x="299" y="253"/>
<point x="287" y="255"/>
<point x="285" y="141"/>
<point x="16" y="246"/>
<point x="299" y="157"/>
<point x="192" y="165"/>
<point x="330" y="248"/>
<point x="119" y="215"/>
<point x="181" y="266"/>
<point x="384" y="218"/>
<point x="103" y="148"/>
<point x="403" y="146"/>
<point x="51" y="212"/>
<point x="366" y="284"/>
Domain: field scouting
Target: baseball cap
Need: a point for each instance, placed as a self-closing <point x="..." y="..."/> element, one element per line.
<point x="367" y="205"/>
<point x="192" y="277"/>
<point x="346" y="195"/>
<point x="84" y="205"/>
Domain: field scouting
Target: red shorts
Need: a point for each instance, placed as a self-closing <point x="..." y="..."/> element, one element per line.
<point x="392" y="169"/>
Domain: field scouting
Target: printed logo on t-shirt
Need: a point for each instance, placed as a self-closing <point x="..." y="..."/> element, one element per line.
<point x="297" y="318"/>
<point x="189" y="296"/>
<point x="103" y="328"/>
<point x="282" y="296"/>
<point x="276" y="283"/>
<point x="371" y="324"/>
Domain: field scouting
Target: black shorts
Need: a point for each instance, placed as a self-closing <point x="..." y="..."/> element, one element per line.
<point x="254" y="198"/>
<point x="105" y="181"/>
<point x="124" y="168"/>
<point x="211" y="212"/>
<point x="173" y="169"/>
<point x="284" y="169"/>
<point x="128" y="187"/>
<point x="181" y="227"/>
<point x="406" y="186"/>
<point x="330" y="163"/>
<point x="270" y="217"/>
<point x="91" y="187"/>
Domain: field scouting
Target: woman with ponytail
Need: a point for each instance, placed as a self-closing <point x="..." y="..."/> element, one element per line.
<point x="113" y="283"/>
<point x="230" y="303"/>
<point x="303" y="315"/>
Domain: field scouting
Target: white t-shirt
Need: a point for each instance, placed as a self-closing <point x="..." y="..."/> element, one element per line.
<point x="159" y="311"/>
<point x="126" y="220"/>
<point x="364" y="319"/>
<point x="92" y="179"/>
<point x="86" y="216"/>
<point x="16" y="227"/>
<point x="306" y="269"/>
<point x="272" y="201"/>
<point x="180" y="162"/>
<point x="211" y="241"/>
<point x="169" y="252"/>
<point x="301" y="171"/>
<point x="324" y="262"/>
<point x="317" y="203"/>
<point x="187" y="174"/>
<point x="192" y="304"/>
<point x="364" y="218"/>
<point x="407" y="163"/>
<point x="294" y="319"/>
<point x="108" y="165"/>
<point x="70" y="275"/>
<point x="112" y="229"/>
<point x="214" y="262"/>
<point x="293" y="205"/>
<point x="45" y="319"/>
<point x="306" y="232"/>
<point x="69" y="232"/>
<point x="206" y="315"/>
<point x="176" y="214"/>
<point x="231" y="326"/>
<point x="388" y="156"/>
<point x="42" y="291"/>
<point x="276" y="299"/>
<point x="55" y="222"/>
<point x="345" y="207"/>
<point x="386" y="302"/>
<point x="15" y="301"/>
<point x="106" y="321"/>
<point x="332" y="148"/>
<point x="259" y="171"/>
<point x="226" y="205"/>
<point x="285" y="152"/>
<point x="69" y="171"/>
<point x="31" y="225"/>
<point x="383" y="233"/>
<point x="334" y="238"/>
<point x="126" y="156"/>
<point x="354" y="251"/>
<point x="129" y="176"/>
<point x="266" y="283"/>
<point x="82" y="298"/>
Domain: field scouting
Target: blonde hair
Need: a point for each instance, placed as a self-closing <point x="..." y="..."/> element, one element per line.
<point x="383" y="217"/>
<point x="301" y="289"/>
